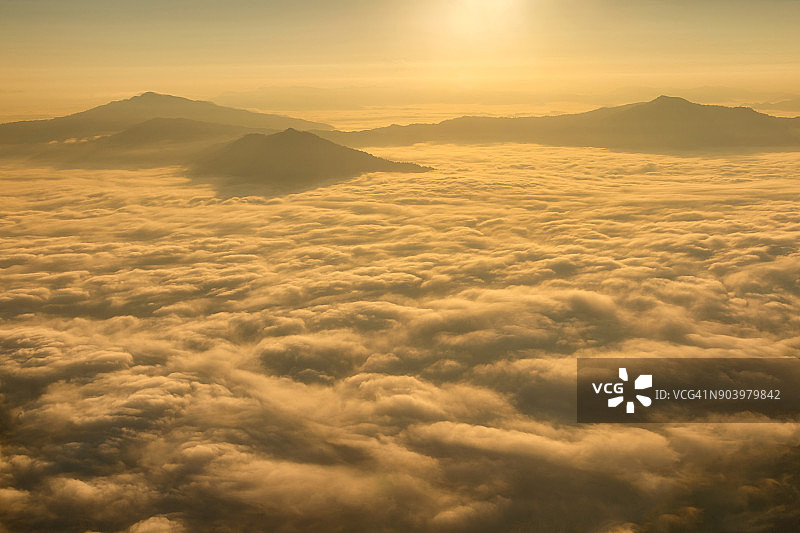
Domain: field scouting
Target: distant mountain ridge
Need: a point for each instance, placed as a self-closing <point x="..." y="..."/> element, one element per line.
<point x="292" y="159"/>
<point x="121" y="114"/>
<point x="789" y="104"/>
<point x="156" y="129"/>
<point x="665" y="123"/>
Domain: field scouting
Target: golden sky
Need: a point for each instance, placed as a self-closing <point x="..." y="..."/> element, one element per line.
<point x="61" y="56"/>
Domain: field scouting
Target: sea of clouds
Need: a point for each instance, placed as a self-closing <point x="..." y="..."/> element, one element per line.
<point x="391" y="353"/>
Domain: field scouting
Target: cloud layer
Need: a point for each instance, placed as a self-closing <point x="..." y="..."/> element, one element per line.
<point x="392" y="353"/>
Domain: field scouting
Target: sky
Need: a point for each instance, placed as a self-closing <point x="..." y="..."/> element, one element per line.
<point x="59" y="55"/>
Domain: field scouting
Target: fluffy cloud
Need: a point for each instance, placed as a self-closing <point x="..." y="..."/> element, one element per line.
<point x="394" y="352"/>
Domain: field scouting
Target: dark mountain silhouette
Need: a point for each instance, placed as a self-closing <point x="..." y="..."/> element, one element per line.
<point x="172" y="130"/>
<point x="119" y="115"/>
<point x="154" y="130"/>
<point x="292" y="159"/>
<point x="664" y="124"/>
<point x="791" y="104"/>
<point x="154" y="143"/>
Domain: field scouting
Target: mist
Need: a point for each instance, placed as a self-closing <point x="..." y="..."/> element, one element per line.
<point x="391" y="352"/>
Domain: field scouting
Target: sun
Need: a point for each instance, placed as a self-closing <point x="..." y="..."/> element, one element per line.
<point x="480" y="17"/>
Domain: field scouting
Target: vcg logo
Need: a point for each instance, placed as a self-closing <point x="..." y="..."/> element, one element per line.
<point x="644" y="381"/>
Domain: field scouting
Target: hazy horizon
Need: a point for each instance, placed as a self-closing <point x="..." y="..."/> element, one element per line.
<point x="354" y="108"/>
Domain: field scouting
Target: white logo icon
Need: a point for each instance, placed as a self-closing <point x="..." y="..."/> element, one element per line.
<point x="644" y="381"/>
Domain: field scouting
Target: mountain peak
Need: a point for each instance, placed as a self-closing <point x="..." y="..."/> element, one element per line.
<point x="152" y="96"/>
<point x="298" y="135"/>
<point x="292" y="158"/>
<point x="147" y="95"/>
<point x="664" y="99"/>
